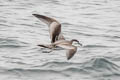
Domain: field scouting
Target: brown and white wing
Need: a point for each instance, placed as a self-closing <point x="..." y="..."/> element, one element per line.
<point x="71" y="50"/>
<point x="45" y="19"/>
<point x="54" y="30"/>
<point x="54" y="26"/>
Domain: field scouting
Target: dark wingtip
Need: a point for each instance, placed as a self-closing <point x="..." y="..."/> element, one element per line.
<point x="39" y="16"/>
<point x="68" y="58"/>
<point x="40" y="45"/>
<point x="35" y="14"/>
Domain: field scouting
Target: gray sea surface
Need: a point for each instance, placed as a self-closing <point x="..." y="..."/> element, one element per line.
<point x="95" y="23"/>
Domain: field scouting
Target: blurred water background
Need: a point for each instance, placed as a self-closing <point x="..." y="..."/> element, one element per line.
<point x="95" y="23"/>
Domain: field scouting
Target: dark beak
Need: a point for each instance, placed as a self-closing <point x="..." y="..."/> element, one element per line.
<point x="80" y="44"/>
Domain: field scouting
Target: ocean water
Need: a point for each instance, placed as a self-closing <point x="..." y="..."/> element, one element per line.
<point x="95" y="23"/>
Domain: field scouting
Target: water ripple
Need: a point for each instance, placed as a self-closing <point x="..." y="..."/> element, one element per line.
<point x="95" y="23"/>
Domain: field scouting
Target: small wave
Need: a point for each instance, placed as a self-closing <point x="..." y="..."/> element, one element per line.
<point x="11" y="46"/>
<point x="94" y="67"/>
<point x="5" y="25"/>
<point x="59" y="64"/>
<point x="13" y="43"/>
<point x="97" y="46"/>
<point x="62" y="66"/>
<point x="102" y="66"/>
<point x="31" y="70"/>
<point x="27" y="25"/>
<point x="101" y="63"/>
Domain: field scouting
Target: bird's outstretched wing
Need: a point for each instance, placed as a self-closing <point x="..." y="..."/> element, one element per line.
<point x="54" y="27"/>
<point x="70" y="53"/>
<point x="71" y="50"/>
<point x="46" y="46"/>
<point x="45" y="19"/>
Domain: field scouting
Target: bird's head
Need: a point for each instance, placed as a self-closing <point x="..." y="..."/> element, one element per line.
<point x="75" y="40"/>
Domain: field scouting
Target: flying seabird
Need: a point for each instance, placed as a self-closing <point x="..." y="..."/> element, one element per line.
<point x="71" y="49"/>
<point x="57" y="39"/>
<point x="54" y="27"/>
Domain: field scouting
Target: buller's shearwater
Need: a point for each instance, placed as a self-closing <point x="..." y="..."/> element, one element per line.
<point x="57" y="39"/>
